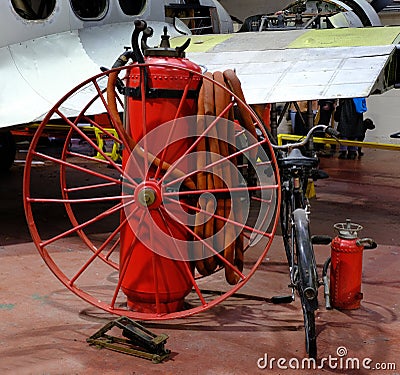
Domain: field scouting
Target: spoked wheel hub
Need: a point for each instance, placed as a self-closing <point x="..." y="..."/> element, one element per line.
<point x="148" y="195"/>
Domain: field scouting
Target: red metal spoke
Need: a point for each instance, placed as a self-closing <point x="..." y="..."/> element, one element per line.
<point x="120" y="135"/>
<point x="78" y="200"/>
<point x="89" y="187"/>
<point x="106" y="157"/>
<point x="104" y="101"/>
<point x="99" y="250"/>
<point x="209" y="247"/>
<point x="267" y="211"/>
<point x="238" y="134"/>
<point x="100" y="94"/>
<point x="221" y="190"/>
<point x="103" y="130"/>
<point x="261" y="163"/>
<point x="215" y="163"/>
<point x="143" y="93"/>
<point x="154" y="261"/>
<point x="77" y="228"/>
<point x="111" y="251"/>
<point x="75" y="127"/>
<point x="113" y="121"/>
<point x="86" y="157"/>
<point x="241" y="226"/>
<point x="187" y="269"/>
<point x="79" y="168"/>
<point x="89" y="104"/>
<point x="196" y="142"/>
<point x="123" y="267"/>
<point x="261" y="200"/>
<point x="173" y="126"/>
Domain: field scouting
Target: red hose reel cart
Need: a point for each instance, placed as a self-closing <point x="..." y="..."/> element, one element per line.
<point x="191" y="206"/>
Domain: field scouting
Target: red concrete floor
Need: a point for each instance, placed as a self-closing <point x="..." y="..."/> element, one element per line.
<point x="43" y="326"/>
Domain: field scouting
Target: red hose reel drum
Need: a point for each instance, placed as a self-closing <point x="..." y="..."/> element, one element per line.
<point x="153" y="97"/>
<point x="164" y="89"/>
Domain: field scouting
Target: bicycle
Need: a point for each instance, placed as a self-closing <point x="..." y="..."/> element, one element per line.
<point x="295" y="171"/>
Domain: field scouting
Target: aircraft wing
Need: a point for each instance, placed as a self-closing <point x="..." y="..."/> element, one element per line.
<point x="36" y="73"/>
<point x="273" y="66"/>
<point x="282" y="66"/>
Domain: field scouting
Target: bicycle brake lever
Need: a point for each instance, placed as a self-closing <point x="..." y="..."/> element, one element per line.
<point x="332" y="132"/>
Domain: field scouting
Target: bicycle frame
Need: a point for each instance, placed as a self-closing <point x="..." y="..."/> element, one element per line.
<point x="294" y="180"/>
<point x="295" y="170"/>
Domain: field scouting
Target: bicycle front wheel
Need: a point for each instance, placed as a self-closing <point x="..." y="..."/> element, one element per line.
<point x="307" y="283"/>
<point x="310" y="332"/>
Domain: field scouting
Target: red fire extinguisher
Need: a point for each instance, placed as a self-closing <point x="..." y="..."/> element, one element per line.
<point x="346" y="265"/>
<point x="158" y="86"/>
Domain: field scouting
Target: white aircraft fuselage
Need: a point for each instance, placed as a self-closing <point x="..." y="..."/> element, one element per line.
<point x="48" y="47"/>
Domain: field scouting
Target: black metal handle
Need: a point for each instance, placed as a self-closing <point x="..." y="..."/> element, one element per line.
<point x="140" y="26"/>
<point x="147" y="33"/>
<point x="368" y="243"/>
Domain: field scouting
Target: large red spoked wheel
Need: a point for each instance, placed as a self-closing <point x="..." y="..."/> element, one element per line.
<point x="110" y="208"/>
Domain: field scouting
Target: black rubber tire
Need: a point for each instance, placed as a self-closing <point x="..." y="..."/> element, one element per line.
<point x="310" y="332"/>
<point x="285" y="217"/>
<point x="308" y="277"/>
<point x="305" y="252"/>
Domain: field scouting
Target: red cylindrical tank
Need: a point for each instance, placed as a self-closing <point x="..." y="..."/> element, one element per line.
<point x="346" y="266"/>
<point x="154" y="283"/>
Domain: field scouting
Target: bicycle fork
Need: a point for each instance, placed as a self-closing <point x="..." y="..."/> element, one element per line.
<point x="307" y="270"/>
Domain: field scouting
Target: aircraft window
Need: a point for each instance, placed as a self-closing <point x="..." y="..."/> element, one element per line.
<point x="34" y="9"/>
<point x="88" y="9"/>
<point x="132" y="7"/>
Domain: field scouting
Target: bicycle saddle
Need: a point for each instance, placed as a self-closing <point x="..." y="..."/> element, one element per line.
<point x="296" y="159"/>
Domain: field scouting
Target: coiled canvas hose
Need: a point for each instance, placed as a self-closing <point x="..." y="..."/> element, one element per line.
<point x="227" y="236"/>
<point x="212" y="101"/>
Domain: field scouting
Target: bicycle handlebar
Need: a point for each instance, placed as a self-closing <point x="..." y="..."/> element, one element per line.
<point x="327" y="129"/>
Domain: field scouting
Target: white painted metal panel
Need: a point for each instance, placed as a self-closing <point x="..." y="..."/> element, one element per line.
<point x="104" y="44"/>
<point x="35" y="74"/>
<point x="16" y="96"/>
<point x="302" y="74"/>
<point x="46" y="78"/>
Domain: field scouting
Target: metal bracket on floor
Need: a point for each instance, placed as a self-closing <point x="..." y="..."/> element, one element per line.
<point x="138" y="341"/>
